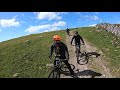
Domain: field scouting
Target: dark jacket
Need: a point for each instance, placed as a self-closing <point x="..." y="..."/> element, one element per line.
<point x="63" y="50"/>
<point x="68" y="30"/>
<point x="77" y="38"/>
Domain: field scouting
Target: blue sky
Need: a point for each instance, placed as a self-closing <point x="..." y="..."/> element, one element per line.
<point x="17" y="24"/>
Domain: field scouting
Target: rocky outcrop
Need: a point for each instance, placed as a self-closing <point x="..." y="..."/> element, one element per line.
<point x="114" y="28"/>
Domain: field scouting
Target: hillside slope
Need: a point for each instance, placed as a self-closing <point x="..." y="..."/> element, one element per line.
<point x="27" y="57"/>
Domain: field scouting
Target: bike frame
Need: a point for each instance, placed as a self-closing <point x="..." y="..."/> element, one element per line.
<point x="77" y="50"/>
<point x="57" y="62"/>
<point x="57" y="66"/>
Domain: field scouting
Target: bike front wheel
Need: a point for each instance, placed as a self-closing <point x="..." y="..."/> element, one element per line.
<point x="54" y="74"/>
<point x="84" y="60"/>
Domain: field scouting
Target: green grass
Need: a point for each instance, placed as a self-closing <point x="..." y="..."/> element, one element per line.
<point x="102" y="40"/>
<point x="27" y="59"/>
<point x="30" y="59"/>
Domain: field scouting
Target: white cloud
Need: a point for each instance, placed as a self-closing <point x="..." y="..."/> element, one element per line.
<point x="54" y="28"/>
<point x="46" y="27"/>
<point x="9" y="23"/>
<point x="46" y="30"/>
<point x="93" y="25"/>
<point x="49" y="15"/>
<point x="36" y="28"/>
<point x="88" y="17"/>
<point x="60" y="23"/>
<point x="93" y="17"/>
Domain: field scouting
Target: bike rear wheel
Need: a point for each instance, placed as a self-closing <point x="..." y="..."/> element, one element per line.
<point x="54" y="74"/>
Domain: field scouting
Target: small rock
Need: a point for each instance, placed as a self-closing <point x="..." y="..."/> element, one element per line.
<point x="40" y="68"/>
<point x="49" y="65"/>
<point x="41" y="36"/>
<point x="26" y="61"/>
<point x="15" y="75"/>
<point x="117" y="47"/>
<point x="104" y="75"/>
<point x="90" y="31"/>
<point x="115" y="50"/>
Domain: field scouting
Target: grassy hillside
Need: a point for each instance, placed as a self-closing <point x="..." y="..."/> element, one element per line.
<point x="28" y="59"/>
<point x="103" y="40"/>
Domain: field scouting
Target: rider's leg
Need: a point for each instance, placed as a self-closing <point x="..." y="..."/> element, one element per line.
<point x="79" y="48"/>
<point x="75" y="47"/>
<point x="69" y="67"/>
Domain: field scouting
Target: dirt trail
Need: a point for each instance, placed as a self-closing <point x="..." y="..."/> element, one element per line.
<point x="96" y="66"/>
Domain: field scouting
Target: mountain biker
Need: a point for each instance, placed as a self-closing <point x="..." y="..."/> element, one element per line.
<point x="68" y="31"/>
<point x="77" y="39"/>
<point x="63" y="51"/>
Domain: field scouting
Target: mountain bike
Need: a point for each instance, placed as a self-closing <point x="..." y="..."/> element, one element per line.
<point x="82" y="57"/>
<point x="77" y="52"/>
<point x="59" y="67"/>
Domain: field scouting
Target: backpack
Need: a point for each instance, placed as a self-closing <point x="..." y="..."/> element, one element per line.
<point x="57" y="47"/>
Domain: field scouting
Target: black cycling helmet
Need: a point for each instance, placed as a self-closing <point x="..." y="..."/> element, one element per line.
<point x="76" y="32"/>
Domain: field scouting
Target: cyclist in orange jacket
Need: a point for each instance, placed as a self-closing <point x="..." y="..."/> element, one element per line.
<point x="60" y="49"/>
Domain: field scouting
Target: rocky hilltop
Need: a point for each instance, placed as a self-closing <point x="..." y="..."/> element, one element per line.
<point x="114" y="28"/>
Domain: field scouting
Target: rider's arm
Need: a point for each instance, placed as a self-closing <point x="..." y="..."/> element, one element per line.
<point x="51" y="50"/>
<point x="82" y="39"/>
<point x="72" y="39"/>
